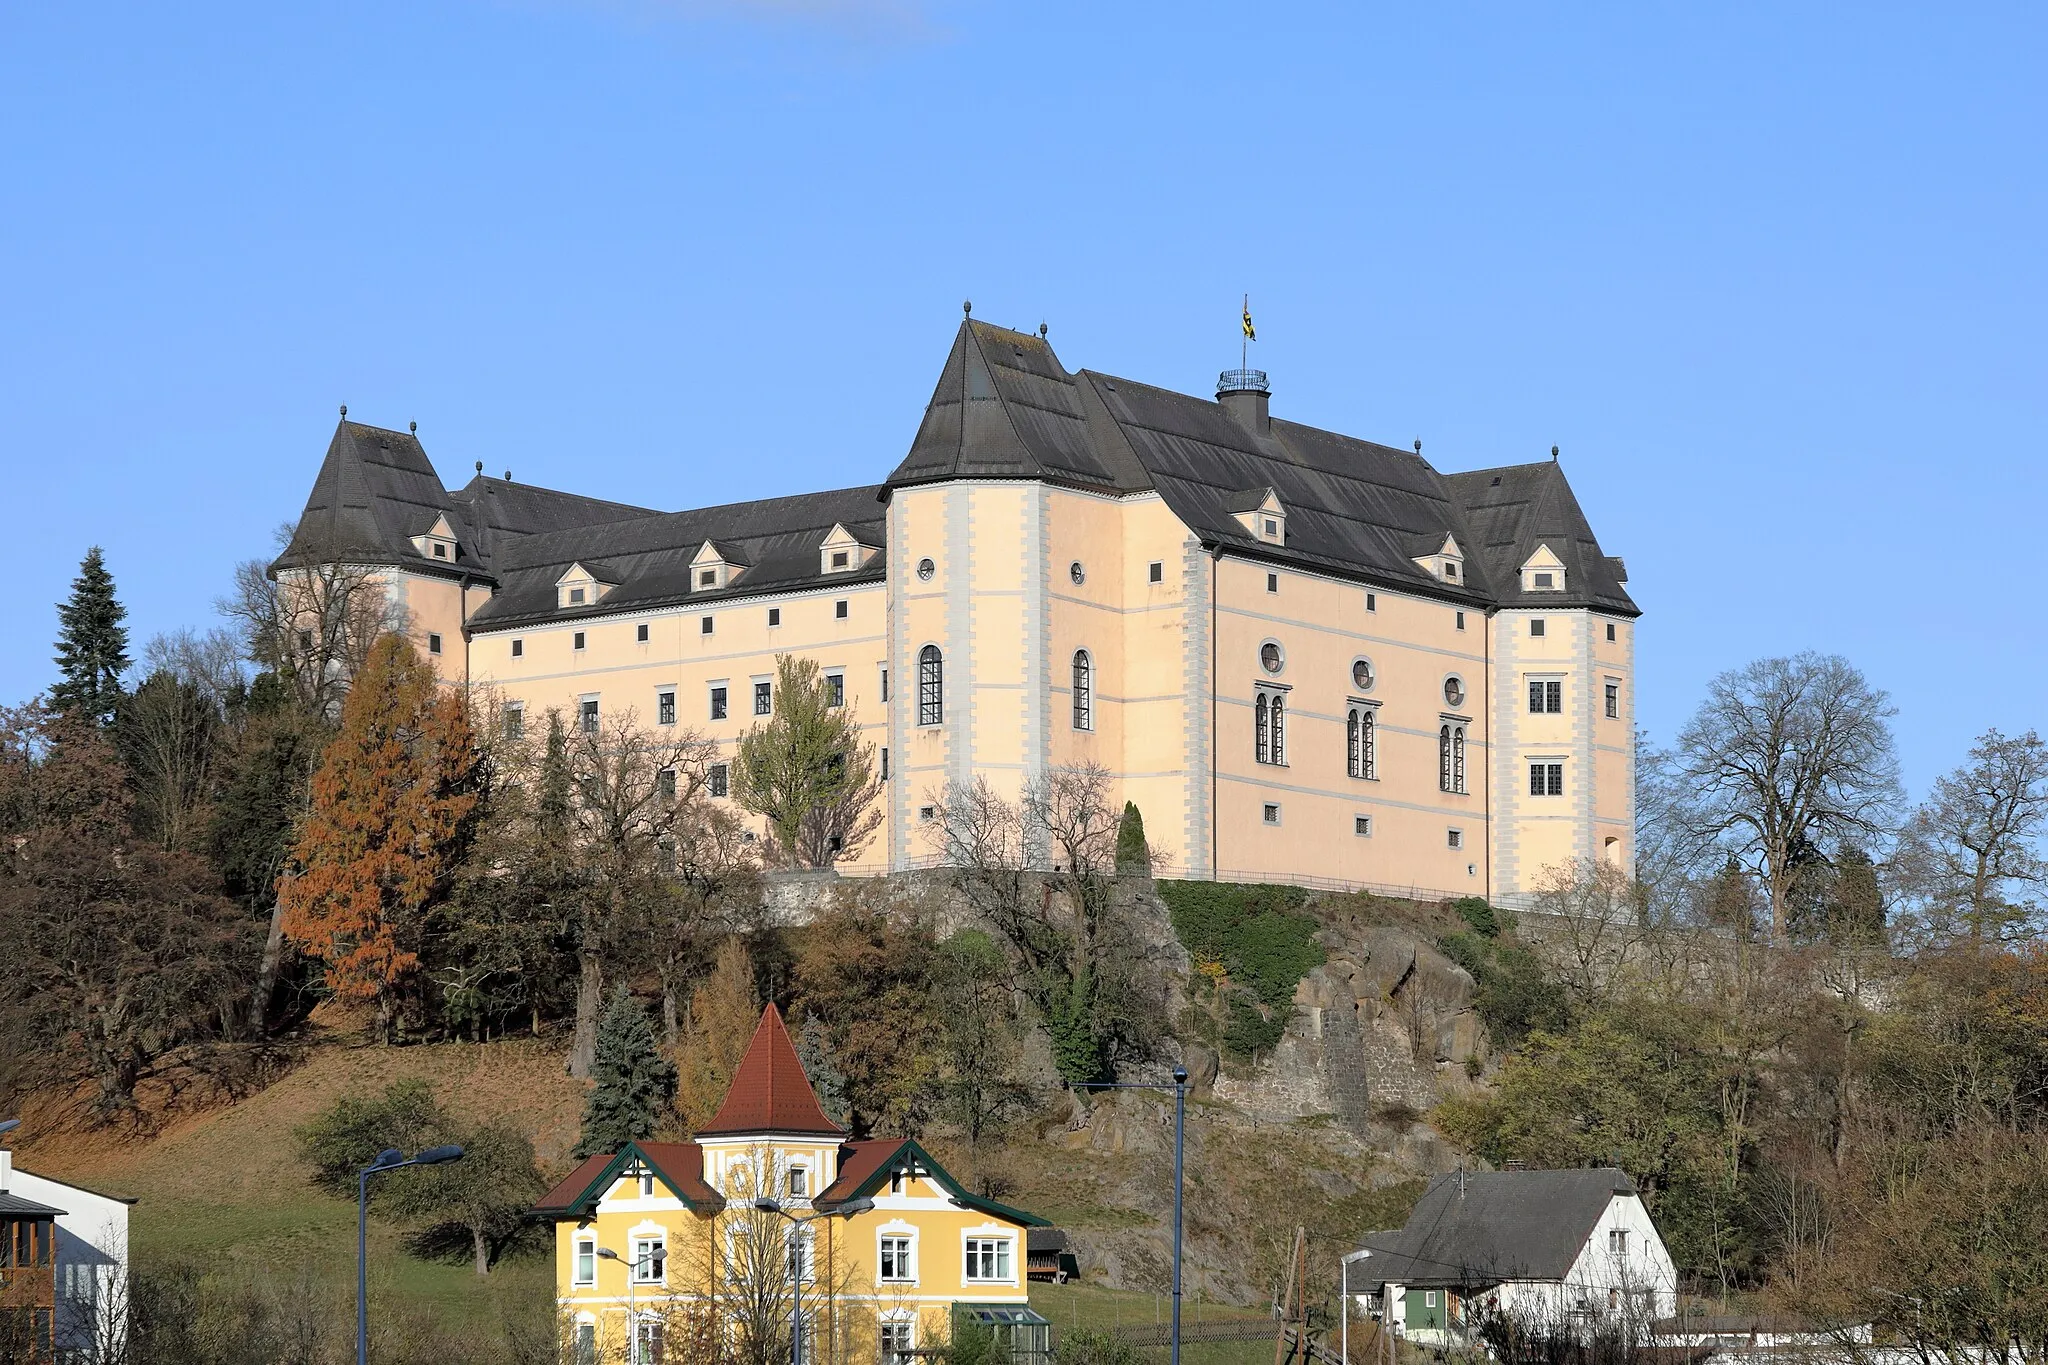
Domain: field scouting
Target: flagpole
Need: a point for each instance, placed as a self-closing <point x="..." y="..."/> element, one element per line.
<point x="1244" y="343"/>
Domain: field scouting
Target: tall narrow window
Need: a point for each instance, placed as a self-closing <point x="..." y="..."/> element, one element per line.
<point x="1457" y="758"/>
<point x="764" y="698"/>
<point x="665" y="708"/>
<point x="1279" y="728"/>
<point x="588" y="711"/>
<point x="1361" y="743"/>
<point x="1614" y="701"/>
<point x="1450" y="757"/>
<point x="1546" y="779"/>
<point x="931" y="686"/>
<point x="1084" y="694"/>
<point x="1443" y="758"/>
<point x="1262" y="749"/>
<point x="835" y="689"/>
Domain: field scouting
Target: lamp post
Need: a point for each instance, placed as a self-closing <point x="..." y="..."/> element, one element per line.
<point x="390" y="1159"/>
<point x="1180" y="1117"/>
<point x="1344" y="1300"/>
<point x="632" y="1314"/>
<point x="796" y="1262"/>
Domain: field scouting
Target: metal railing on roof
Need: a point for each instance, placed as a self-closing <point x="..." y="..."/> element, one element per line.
<point x="1242" y="381"/>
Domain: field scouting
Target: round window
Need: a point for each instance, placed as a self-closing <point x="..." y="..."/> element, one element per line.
<point x="1454" y="691"/>
<point x="1076" y="572"/>
<point x="1270" y="657"/>
<point x="925" y="568"/>
<point x="1361" y="674"/>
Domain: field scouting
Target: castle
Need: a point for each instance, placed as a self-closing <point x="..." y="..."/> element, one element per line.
<point x="1305" y="656"/>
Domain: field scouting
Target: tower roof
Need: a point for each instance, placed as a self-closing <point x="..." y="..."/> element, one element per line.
<point x="770" y="1092"/>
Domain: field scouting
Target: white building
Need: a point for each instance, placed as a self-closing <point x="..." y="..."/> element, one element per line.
<point x="1551" y="1250"/>
<point x="92" y="1259"/>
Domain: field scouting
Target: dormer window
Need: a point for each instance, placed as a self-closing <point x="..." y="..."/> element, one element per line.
<point x="1446" y="561"/>
<point x="437" y="541"/>
<point x="707" y="578"/>
<point x="839" y="552"/>
<point x="1450" y="570"/>
<point x="839" y="558"/>
<point x="1260" y="512"/>
<point x="580" y="586"/>
<point x="1272" y="529"/>
<point x="440" y="549"/>
<point x="711" y="569"/>
<point x="576" y="597"/>
<point x="1543" y="572"/>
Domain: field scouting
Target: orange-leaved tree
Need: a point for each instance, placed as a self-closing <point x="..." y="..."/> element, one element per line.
<point x="392" y="806"/>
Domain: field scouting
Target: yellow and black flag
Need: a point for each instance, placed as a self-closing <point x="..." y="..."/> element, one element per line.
<point x="1250" y="334"/>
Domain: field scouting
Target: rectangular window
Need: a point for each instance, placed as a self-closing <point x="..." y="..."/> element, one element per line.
<point x="885" y="765"/>
<point x="896" y="1259"/>
<point x="1451" y="569"/>
<point x="835" y="689"/>
<point x="1372" y="601"/>
<point x="704" y="626"/>
<point x="1454" y="838"/>
<point x="707" y="578"/>
<point x="665" y="784"/>
<point x="433" y="643"/>
<point x="1536" y="628"/>
<point x="1617" y="1241"/>
<point x="839" y="559"/>
<point x="640" y="632"/>
<point x="665" y="708"/>
<point x="1546" y="779"/>
<point x="898" y="1341"/>
<point x="586" y="1262"/>
<point x="718" y="780"/>
<point x="885" y="684"/>
<point x="839" y="611"/>
<point x="927" y="814"/>
<point x="1614" y="701"/>
<point x="576" y="640"/>
<point x="988" y="1258"/>
<point x="775" y="616"/>
<point x="1272" y="527"/>
<point x="575" y="597"/>
<point x="306" y="641"/>
<point x="440" y="550"/>
<point x="587" y="710"/>
<point x="1272" y="582"/>
<point x="648" y="1338"/>
<point x="1361" y="825"/>
<point x="1546" y="697"/>
<point x="1610" y="630"/>
<point x="1270" y="813"/>
<point x="650" y="1260"/>
<point x="764" y="698"/>
<point x="1461" y="620"/>
<point x="718" y="703"/>
<point x="519" y="649"/>
<point x="1155" y="572"/>
<point x="1429" y="1299"/>
<point x="1544" y="580"/>
<point x="515" y="722"/>
<point x="646" y="1183"/>
<point x="799" y="1182"/>
<point x="585" y="1352"/>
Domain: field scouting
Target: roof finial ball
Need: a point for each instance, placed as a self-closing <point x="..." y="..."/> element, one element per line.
<point x="1418" y="445"/>
<point x="344" y="409"/>
<point x="414" y="427"/>
<point x="967" y="308"/>
<point x="1553" y="454"/>
<point x="1041" y="331"/>
<point x="479" y="466"/>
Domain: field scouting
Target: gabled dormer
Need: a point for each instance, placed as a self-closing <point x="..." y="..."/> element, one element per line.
<point x="437" y="542"/>
<point x="1543" y="571"/>
<point x="583" y="585"/>
<point x="1260" y="512"/>
<point x="1446" y="563"/>
<point x="713" y="568"/>
<point x="839" y="552"/>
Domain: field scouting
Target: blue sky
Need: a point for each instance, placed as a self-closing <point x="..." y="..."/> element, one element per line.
<point x="1772" y="276"/>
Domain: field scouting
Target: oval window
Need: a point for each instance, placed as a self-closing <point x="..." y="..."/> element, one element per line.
<point x="925" y="568"/>
<point x="1076" y="572"/>
<point x="1454" y="691"/>
<point x="1361" y="674"/>
<point x="1270" y="658"/>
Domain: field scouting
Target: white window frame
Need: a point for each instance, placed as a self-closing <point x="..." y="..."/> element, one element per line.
<point x="1270" y="813"/>
<point x="665" y="702"/>
<point x="1084" y="690"/>
<point x="584" y="1272"/>
<point x="835" y="688"/>
<point x="589" y="713"/>
<point x="996" y="1248"/>
<point x="1361" y="826"/>
<point x="907" y="1270"/>
<point x="646" y="1268"/>
<point x="1362" y="740"/>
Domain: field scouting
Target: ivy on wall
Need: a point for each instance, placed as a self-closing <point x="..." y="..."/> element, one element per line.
<point x="1251" y="947"/>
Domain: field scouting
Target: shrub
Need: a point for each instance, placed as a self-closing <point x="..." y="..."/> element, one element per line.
<point x="1261" y="942"/>
<point x="1475" y="911"/>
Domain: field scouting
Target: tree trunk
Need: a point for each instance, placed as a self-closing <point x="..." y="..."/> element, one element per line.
<point x="483" y="1250"/>
<point x="589" y="999"/>
<point x="266" y="972"/>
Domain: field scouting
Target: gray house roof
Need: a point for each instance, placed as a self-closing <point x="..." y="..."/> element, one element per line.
<point x="1006" y="408"/>
<point x="1483" y="1227"/>
<point x="14" y="1206"/>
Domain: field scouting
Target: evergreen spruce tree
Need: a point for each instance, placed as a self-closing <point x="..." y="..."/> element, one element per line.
<point x="814" y="1050"/>
<point x="634" y="1081"/>
<point x="92" y="644"/>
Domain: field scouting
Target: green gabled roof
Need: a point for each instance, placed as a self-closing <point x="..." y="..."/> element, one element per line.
<point x="873" y="1162"/>
<point x="678" y="1165"/>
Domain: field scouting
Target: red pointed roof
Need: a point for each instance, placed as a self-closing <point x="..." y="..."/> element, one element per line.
<point x="770" y="1092"/>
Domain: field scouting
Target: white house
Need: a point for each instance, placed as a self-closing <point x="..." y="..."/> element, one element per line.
<point x="91" y="1263"/>
<point x="1552" y="1250"/>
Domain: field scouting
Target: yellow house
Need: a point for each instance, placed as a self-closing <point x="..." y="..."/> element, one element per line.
<point x="714" y="1248"/>
<point x="1304" y="655"/>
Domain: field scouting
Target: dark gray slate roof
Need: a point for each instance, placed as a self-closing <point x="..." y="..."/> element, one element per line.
<point x="14" y="1206"/>
<point x="777" y="539"/>
<point x="1006" y="408"/>
<point x="376" y="490"/>
<point x="1488" y="1226"/>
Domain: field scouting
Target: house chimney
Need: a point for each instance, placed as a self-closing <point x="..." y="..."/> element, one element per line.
<point x="1245" y="395"/>
<point x="6" y="1169"/>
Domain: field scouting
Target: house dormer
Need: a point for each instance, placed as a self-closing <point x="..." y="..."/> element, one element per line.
<point x="437" y="542"/>
<point x="1543" y="572"/>
<point x="1260" y="512"/>
<point x="839" y="552"/>
<point x="713" y="568"/>
<point x="583" y="585"/>
<point x="1446" y="563"/>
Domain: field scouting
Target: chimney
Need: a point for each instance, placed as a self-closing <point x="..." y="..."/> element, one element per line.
<point x="6" y="1169"/>
<point x="1245" y="395"/>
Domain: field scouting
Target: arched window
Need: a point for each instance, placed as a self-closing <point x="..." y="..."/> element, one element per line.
<point x="1443" y="758"/>
<point x="1450" y="757"/>
<point x="1279" y="728"/>
<point x="1457" y="758"/>
<point x="1261" y="747"/>
<point x="1362" y="743"/>
<point x="1084" y="691"/>
<point x="931" y="687"/>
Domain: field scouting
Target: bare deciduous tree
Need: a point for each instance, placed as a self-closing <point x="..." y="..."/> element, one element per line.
<point x="1972" y="855"/>
<point x="1783" y="756"/>
<point x="314" y="622"/>
<point x="1593" y="926"/>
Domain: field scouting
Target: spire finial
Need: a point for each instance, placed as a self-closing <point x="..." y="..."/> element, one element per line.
<point x="1418" y="446"/>
<point x="1041" y="331"/>
<point x="414" y="427"/>
<point x="967" y="308"/>
<point x="479" y="466"/>
<point x="344" y="409"/>
<point x="1553" y="454"/>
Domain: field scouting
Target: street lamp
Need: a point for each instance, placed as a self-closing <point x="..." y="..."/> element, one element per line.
<point x="632" y="1314"/>
<point x="390" y="1159"/>
<point x="1344" y="1300"/>
<point x="796" y="1261"/>
<point x="1180" y="1116"/>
